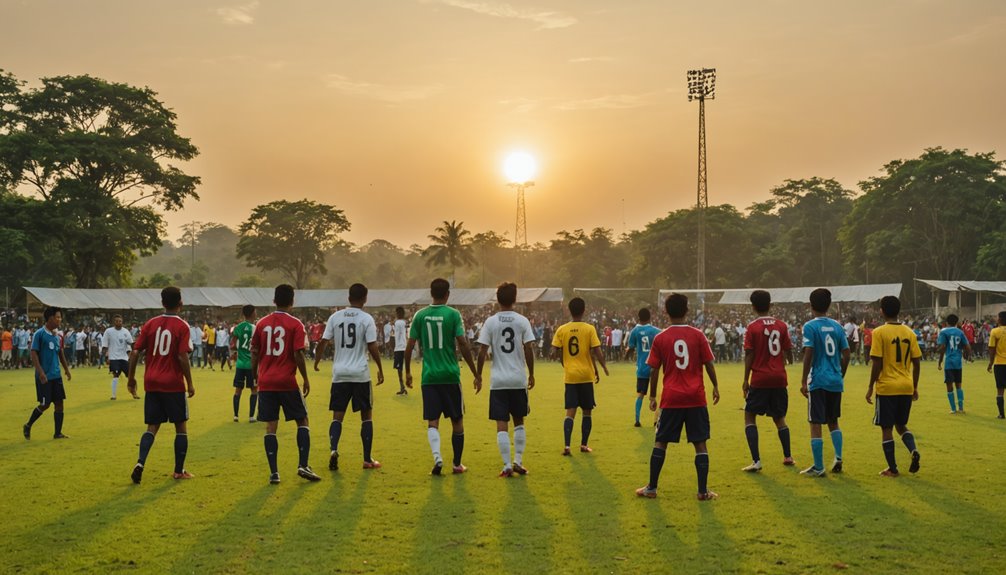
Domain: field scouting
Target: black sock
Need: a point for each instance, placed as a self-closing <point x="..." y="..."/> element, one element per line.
<point x="999" y="402"/>
<point x="751" y="431"/>
<point x="181" y="448"/>
<point x="57" y="419"/>
<point x="237" y="404"/>
<point x="892" y="464"/>
<point x="253" y="400"/>
<point x="909" y="440"/>
<point x="35" y="414"/>
<point x="585" y="426"/>
<point x="784" y="440"/>
<point x="303" y="444"/>
<point x="334" y="433"/>
<point x="271" y="447"/>
<point x="656" y="464"/>
<point x="702" y="470"/>
<point x="567" y="430"/>
<point x="458" y="443"/>
<point x="367" y="435"/>
<point x="146" y="442"/>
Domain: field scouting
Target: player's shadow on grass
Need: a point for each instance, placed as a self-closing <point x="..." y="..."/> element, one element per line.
<point x="525" y="533"/>
<point x="446" y="529"/>
<point x="333" y="527"/>
<point x="592" y="499"/>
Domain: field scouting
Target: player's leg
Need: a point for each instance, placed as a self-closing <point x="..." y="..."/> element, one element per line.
<point x="642" y="388"/>
<point x="960" y="391"/>
<point x="697" y="431"/>
<point x="146" y="442"/>
<point x="503" y="444"/>
<point x="751" y="433"/>
<point x="817" y="417"/>
<point x="236" y="400"/>
<point x="887" y="438"/>
<point x="668" y="430"/>
<point x="432" y="410"/>
<point x="837" y="441"/>
<point x="519" y="444"/>
<point x="36" y="413"/>
<point x="571" y="404"/>
<point x="458" y="442"/>
<point x="252" y="401"/>
<point x="903" y="410"/>
<point x="1000" y="376"/>
<point x="271" y="446"/>
<point x="115" y="379"/>
<point x="57" y="419"/>
<point x="586" y="425"/>
<point x="367" y="438"/>
<point x="948" y="380"/>
<point x="702" y="471"/>
<point x="181" y="450"/>
<point x="782" y="429"/>
<point x="334" y="435"/>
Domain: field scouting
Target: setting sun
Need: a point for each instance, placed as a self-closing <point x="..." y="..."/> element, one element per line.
<point x="519" y="167"/>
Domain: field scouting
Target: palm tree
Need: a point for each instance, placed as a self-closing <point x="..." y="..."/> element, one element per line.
<point x="450" y="245"/>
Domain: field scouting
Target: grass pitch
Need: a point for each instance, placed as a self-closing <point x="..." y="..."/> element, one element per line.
<point x="71" y="508"/>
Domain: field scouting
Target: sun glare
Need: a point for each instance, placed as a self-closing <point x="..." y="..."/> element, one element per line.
<point x="519" y="167"/>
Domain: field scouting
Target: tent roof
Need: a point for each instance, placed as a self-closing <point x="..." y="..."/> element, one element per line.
<point x="975" y="286"/>
<point x="855" y="293"/>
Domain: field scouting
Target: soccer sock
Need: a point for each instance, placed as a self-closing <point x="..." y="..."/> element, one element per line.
<point x="271" y="447"/>
<point x="433" y="435"/>
<point x="585" y="426"/>
<point x="146" y="442"/>
<point x="458" y="443"/>
<point x="960" y="398"/>
<point x="892" y="464"/>
<point x="503" y="442"/>
<point x="702" y="470"/>
<point x="237" y="404"/>
<point x="950" y="398"/>
<point x="656" y="464"/>
<point x="181" y="448"/>
<point x="751" y="431"/>
<point x="519" y="444"/>
<point x="367" y="436"/>
<point x="639" y="407"/>
<point x="37" y="413"/>
<point x="836" y="440"/>
<point x="999" y="402"/>
<point x="909" y="440"/>
<point x="253" y="400"/>
<point x="567" y="428"/>
<point x="334" y="433"/>
<point x="115" y="385"/>
<point x="57" y="419"/>
<point x="817" y="448"/>
<point x="304" y="444"/>
<point x="784" y="440"/>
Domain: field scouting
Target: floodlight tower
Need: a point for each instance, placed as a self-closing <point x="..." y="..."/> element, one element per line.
<point x="702" y="86"/>
<point x="520" y="230"/>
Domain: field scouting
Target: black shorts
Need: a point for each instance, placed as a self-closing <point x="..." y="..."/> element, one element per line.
<point x="51" y="391"/>
<point x="770" y="401"/>
<point x="952" y="375"/>
<point x="442" y="399"/>
<point x="999" y="371"/>
<point x="892" y="410"/>
<point x="244" y="378"/>
<point x="221" y="353"/>
<point x="504" y="403"/>
<point x="117" y="367"/>
<point x="165" y="406"/>
<point x="580" y="395"/>
<point x="642" y="385"/>
<point x="824" y="406"/>
<point x="695" y="420"/>
<point x="361" y="393"/>
<point x="292" y="402"/>
<point x="399" y="359"/>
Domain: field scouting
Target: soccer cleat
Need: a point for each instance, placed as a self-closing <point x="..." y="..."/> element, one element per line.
<point x="135" y="396"/>
<point x="333" y="462"/>
<point x="585" y="449"/>
<point x="953" y="412"/>
<point x="707" y="496"/>
<point x="519" y="469"/>
<point x="27" y="431"/>
<point x="372" y="464"/>
<point x="754" y="467"/>
<point x="252" y="420"/>
<point x="274" y="478"/>
<point x="438" y="467"/>
<point x="60" y="436"/>
<point x="459" y="469"/>
<point x="812" y="472"/>
<point x="888" y="473"/>
<point x="235" y="419"/>
<point x="183" y="475"/>
<point x="307" y="473"/>
<point x="638" y="424"/>
<point x="788" y="461"/>
<point x="914" y="467"/>
<point x="836" y="466"/>
<point x="137" y="473"/>
<point x="646" y="492"/>
<point x="112" y="398"/>
<point x="1000" y="417"/>
<point x="565" y="451"/>
<point x="507" y="472"/>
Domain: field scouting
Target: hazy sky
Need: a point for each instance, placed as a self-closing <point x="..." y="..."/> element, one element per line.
<point x="400" y="112"/>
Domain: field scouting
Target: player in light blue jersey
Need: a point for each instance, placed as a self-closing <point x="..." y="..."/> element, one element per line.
<point x="825" y="359"/>
<point x="954" y="345"/>
<point x="640" y="339"/>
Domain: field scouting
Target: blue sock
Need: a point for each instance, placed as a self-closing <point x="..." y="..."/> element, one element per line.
<point x="303" y="444"/>
<point x="585" y="426"/>
<point x="909" y="440"/>
<point x="784" y="440"/>
<point x="836" y="440"/>
<point x="950" y="398"/>
<point x="751" y="431"/>
<point x="271" y="447"/>
<point x="656" y="464"/>
<point x="817" y="448"/>
<point x="567" y="429"/>
<point x="960" y="398"/>
<point x="458" y="443"/>
<point x="181" y="448"/>
<point x="334" y="433"/>
<point x="639" y="407"/>
<point x="367" y="435"/>
<point x="702" y="470"/>
<point x="57" y="419"/>
<point x="888" y="446"/>
<point x="146" y="442"/>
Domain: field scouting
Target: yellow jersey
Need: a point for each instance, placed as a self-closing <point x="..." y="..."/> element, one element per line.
<point x="997" y="344"/>
<point x="897" y="346"/>
<point x="210" y="334"/>
<point x="576" y="339"/>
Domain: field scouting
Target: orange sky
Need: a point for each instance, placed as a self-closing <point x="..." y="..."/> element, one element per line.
<point x="400" y="112"/>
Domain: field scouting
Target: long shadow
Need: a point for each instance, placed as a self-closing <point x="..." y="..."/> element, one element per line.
<point x="596" y="518"/>
<point x="446" y="528"/>
<point x="525" y="533"/>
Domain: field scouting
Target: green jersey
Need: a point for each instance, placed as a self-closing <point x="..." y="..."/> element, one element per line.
<point x="242" y="342"/>
<point x="436" y="328"/>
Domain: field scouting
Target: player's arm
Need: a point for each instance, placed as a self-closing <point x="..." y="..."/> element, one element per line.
<point x="480" y="362"/>
<point x="66" y="366"/>
<point x="654" y="380"/>
<point x="916" y="370"/>
<point x="466" y="353"/>
<point x="298" y="358"/>
<point x="319" y="352"/>
<point x="598" y="357"/>
<point x="529" y="361"/>
<point x="407" y="360"/>
<point x="846" y="356"/>
<point x="711" y="372"/>
<point x="941" y="350"/>
<point x="748" y="362"/>
<point x="557" y="354"/>
<point x="39" y="372"/>
<point x="254" y="355"/>
<point x="375" y="353"/>
<point x="808" y="361"/>
<point x="967" y="350"/>
<point x="992" y="352"/>
<point x="183" y="364"/>
<point x="877" y="367"/>
<point x="134" y="358"/>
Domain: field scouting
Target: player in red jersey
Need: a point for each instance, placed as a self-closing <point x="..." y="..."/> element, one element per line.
<point x="165" y="342"/>
<point x="683" y="352"/>
<point x="277" y="348"/>
<point x="766" y="347"/>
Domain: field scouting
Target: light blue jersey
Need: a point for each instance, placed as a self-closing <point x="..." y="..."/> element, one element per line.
<point x="640" y="339"/>
<point x="827" y="338"/>
<point x="953" y="340"/>
<point x="46" y="345"/>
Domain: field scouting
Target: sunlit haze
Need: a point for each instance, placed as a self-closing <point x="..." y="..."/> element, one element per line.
<point x="519" y="167"/>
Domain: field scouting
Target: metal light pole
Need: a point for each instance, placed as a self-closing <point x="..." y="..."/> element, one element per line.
<point x="520" y="231"/>
<point x="702" y="86"/>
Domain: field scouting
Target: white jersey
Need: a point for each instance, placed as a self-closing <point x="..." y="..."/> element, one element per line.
<point x="400" y="335"/>
<point x="616" y="337"/>
<point x="80" y="341"/>
<point x="223" y="338"/>
<point x="196" y="336"/>
<point x="118" y="342"/>
<point x="506" y="333"/>
<point x="350" y="330"/>
<point x="851" y="332"/>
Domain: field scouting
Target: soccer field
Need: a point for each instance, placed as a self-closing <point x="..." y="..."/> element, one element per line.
<point x="72" y="508"/>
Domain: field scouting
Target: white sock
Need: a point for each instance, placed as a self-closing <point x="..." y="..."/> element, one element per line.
<point x="433" y="434"/>
<point x="115" y="385"/>
<point x="519" y="443"/>
<point x="503" y="442"/>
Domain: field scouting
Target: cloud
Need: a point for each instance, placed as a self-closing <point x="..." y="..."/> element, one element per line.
<point x="584" y="59"/>
<point x="520" y="105"/>
<point x="242" y="15"/>
<point x="380" y="92"/>
<point x="610" y="102"/>
<point x="546" y="20"/>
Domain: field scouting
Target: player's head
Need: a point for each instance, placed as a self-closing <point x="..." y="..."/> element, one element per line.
<point x="890" y="306"/>
<point x="506" y="294"/>
<point x="577" y="306"/>
<point x="357" y="294"/>
<point x="283" y="296"/>
<point x="117" y="321"/>
<point x="52" y="316"/>
<point x="248" y="311"/>
<point x="820" y="300"/>
<point x="643" y="315"/>
<point x="676" y="306"/>
<point x="1002" y="318"/>
<point x="440" y="289"/>
<point x="952" y="319"/>
<point x="761" y="300"/>
<point x="171" y="298"/>
<point x="400" y="312"/>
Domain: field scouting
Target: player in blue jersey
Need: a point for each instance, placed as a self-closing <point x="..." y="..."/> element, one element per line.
<point x="46" y="356"/>
<point x="640" y="340"/>
<point x="825" y="359"/>
<point x="953" y="344"/>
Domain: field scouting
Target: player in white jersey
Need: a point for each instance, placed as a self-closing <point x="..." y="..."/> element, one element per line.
<point x="353" y="334"/>
<point x="510" y="337"/>
<point x="117" y="342"/>
<point x="401" y="335"/>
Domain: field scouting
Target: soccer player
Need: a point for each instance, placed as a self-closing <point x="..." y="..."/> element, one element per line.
<point x="766" y="347"/>
<point x="209" y="344"/>
<point x="243" y="374"/>
<point x="400" y="336"/>
<point x="23" y="345"/>
<point x="46" y="357"/>
<point x="894" y="347"/>
<point x="825" y="359"/>
<point x="579" y="348"/>
<point x="277" y="354"/>
<point x="167" y="378"/>
<point x="640" y="339"/>
<point x="7" y="345"/>
<point x="510" y="337"/>
<point x="997" y="359"/>
<point x="117" y="343"/>
<point x="354" y="335"/>
<point x="440" y="330"/>
<point x="683" y="351"/>
<point x="223" y="346"/>
<point x="953" y="344"/>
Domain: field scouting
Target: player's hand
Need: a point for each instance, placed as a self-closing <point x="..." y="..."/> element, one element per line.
<point x="716" y="395"/>
<point x="380" y="377"/>
<point x="530" y="382"/>
<point x="69" y="376"/>
<point x="605" y="368"/>
<point x="44" y="380"/>
<point x="192" y="390"/>
<point x="316" y="368"/>
<point x="869" y="396"/>
<point x="653" y="404"/>
<point x="307" y="387"/>
<point x="939" y="367"/>
<point x="803" y="389"/>
<point x="745" y="387"/>
<point x="597" y="377"/>
<point x="131" y="386"/>
<point x="478" y="384"/>
<point x="990" y="368"/>
<point x="408" y="380"/>
<point x="915" y="395"/>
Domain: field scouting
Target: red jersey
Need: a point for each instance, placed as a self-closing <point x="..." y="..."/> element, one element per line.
<point x="162" y="339"/>
<point x="683" y="351"/>
<point x="769" y="339"/>
<point x="868" y="336"/>
<point x="969" y="332"/>
<point x="317" y="330"/>
<point x="277" y="338"/>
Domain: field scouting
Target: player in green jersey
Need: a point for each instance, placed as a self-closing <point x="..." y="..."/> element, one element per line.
<point x="243" y="374"/>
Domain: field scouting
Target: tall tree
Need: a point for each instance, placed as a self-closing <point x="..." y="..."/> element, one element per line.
<point x="450" y="246"/>
<point x="292" y="237"/>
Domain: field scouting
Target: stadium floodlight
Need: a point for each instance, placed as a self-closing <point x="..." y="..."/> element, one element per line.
<point x="702" y="87"/>
<point x="702" y="84"/>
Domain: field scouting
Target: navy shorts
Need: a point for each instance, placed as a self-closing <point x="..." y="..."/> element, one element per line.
<point x="270" y="402"/>
<point x="117" y="367"/>
<point x="360" y="393"/>
<point x="442" y="399"/>
<point x="824" y="406"/>
<point x="244" y="378"/>
<point x="770" y="401"/>
<point x="222" y="352"/>
<point x="580" y="395"/>
<point x="399" y="359"/>
<point x="165" y="406"/>
<point x="892" y="410"/>
<point x="504" y="403"/>
<point x="695" y="421"/>
<point x="642" y="385"/>
<point x="952" y="375"/>
<point x="999" y="371"/>
<point x="51" y="391"/>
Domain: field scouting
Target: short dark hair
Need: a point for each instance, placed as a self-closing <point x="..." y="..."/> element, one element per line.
<point x="357" y="292"/>
<point x="952" y="319"/>
<point x="400" y="311"/>
<point x="248" y="310"/>
<point x="1002" y="317"/>
<point x="644" y="314"/>
<point x="820" y="300"/>
<point x="116" y="316"/>
<point x="890" y="305"/>
<point x="171" y="297"/>
<point x="51" y="311"/>
<point x="577" y="306"/>
<point x="283" y="296"/>
<point x="676" y="305"/>
<point x="761" y="300"/>
<point x="440" y="288"/>
<point x="506" y="293"/>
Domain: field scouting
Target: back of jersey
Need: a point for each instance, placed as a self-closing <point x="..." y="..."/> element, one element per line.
<point x="506" y="333"/>
<point x="350" y="330"/>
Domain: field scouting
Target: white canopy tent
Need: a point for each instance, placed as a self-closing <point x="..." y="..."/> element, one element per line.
<point x="839" y="294"/>
<point x="955" y="289"/>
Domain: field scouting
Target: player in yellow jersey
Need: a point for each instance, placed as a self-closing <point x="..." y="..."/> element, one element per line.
<point x="997" y="359"/>
<point x="577" y="345"/>
<point x="895" y="347"/>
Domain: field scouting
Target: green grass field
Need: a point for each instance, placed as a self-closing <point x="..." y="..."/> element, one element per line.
<point x="70" y="506"/>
